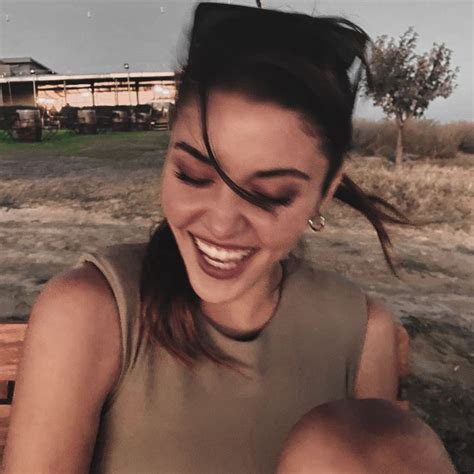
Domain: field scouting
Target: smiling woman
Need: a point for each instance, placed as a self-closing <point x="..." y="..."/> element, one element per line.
<point x="285" y="171"/>
<point x="202" y="348"/>
<point x="261" y="128"/>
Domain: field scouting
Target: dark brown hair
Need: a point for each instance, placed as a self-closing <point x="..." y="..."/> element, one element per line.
<point x="311" y="65"/>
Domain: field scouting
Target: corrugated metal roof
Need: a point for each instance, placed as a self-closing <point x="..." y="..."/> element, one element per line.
<point x="88" y="78"/>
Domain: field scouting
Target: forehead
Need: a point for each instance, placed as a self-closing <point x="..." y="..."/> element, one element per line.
<point x="247" y="135"/>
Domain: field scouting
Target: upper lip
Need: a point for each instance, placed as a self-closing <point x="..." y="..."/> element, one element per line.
<point x="224" y="246"/>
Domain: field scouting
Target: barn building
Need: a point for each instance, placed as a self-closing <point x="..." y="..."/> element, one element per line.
<point x="25" y="81"/>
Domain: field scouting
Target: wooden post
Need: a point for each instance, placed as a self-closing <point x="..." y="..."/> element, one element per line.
<point x="65" y="92"/>
<point x="115" y="90"/>
<point x="10" y="92"/>
<point x="128" y="87"/>
<point x="93" y="94"/>
<point x="34" y="89"/>
<point x="137" y="86"/>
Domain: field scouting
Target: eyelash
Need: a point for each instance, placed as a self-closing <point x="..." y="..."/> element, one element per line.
<point x="200" y="183"/>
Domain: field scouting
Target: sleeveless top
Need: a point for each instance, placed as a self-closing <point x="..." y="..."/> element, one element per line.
<point x="163" y="417"/>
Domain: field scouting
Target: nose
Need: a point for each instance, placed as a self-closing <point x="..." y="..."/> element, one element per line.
<point x="224" y="218"/>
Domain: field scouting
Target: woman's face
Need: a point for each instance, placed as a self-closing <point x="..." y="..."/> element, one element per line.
<point x="230" y="246"/>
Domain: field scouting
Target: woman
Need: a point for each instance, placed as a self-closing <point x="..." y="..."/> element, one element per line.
<point x="201" y="351"/>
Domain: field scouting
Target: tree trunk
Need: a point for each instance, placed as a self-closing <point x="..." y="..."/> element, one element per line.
<point x="399" y="151"/>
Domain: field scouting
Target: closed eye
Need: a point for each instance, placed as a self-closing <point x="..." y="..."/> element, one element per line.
<point x="201" y="183"/>
<point x="276" y="201"/>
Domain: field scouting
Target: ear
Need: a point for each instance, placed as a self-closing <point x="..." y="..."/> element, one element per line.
<point x="336" y="181"/>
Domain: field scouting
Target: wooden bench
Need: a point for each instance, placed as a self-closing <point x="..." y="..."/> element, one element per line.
<point x="11" y="344"/>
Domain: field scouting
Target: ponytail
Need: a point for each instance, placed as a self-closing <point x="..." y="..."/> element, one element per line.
<point x="375" y="210"/>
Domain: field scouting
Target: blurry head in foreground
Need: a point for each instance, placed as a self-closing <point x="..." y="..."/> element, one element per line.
<point x="363" y="437"/>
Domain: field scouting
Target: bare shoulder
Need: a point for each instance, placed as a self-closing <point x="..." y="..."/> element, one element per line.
<point x="76" y="311"/>
<point x="377" y="376"/>
<point x="85" y="283"/>
<point x="71" y="361"/>
<point x="76" y="305"/>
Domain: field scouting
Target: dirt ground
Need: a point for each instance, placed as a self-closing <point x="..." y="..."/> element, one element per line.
<point x="54" y="208"/>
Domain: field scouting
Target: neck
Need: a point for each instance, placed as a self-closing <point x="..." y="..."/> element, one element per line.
<point x="251" y="310"/>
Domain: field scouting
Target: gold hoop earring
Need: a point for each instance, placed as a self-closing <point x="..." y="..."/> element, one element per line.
<point x="317" y="227"/>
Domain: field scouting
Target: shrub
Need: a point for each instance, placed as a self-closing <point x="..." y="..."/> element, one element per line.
<point x="423" y="138"/>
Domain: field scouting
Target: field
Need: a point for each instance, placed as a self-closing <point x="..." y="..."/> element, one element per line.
<point x="75" y="194"/>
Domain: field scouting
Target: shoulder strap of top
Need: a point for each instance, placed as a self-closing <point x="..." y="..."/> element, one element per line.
<point x="121" y="266"/>
<point x="342" y="306"/>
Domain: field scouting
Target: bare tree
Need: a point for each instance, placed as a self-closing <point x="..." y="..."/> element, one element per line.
<point x="404" y="83"/>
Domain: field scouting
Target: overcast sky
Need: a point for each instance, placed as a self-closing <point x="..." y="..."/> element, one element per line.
<point x="85" y="36"/>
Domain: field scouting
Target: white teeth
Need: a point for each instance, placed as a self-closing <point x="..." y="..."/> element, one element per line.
<point x="222" y="265"/>
<point x="219" y="253"/>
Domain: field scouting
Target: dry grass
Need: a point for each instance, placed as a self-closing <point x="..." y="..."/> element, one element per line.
<point x="424" y="190"/>
<point x="422" y="138"/>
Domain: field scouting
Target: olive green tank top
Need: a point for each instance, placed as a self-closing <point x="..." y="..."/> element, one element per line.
<point x="163" y="417"/>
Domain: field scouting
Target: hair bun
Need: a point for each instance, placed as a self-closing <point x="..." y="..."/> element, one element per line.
<point x="223" y="32"/>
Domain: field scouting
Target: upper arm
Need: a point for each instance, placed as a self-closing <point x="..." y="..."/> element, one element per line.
<point x="70" y="362"/>
<point x="377" y="376"/>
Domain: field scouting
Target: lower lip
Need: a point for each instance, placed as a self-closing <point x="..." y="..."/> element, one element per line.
<point x="221" y="273"/>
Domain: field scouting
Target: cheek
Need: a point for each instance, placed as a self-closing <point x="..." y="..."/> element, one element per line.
<point x="291" y="223"/>
<point x="282" y="233"/>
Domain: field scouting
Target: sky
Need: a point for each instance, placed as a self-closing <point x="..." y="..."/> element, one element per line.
<point x="93" y="36"/>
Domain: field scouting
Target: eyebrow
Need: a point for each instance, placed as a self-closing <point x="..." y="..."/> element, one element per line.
<point x="271" y="173"/>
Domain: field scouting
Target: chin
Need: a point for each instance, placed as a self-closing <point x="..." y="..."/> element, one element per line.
<point x="223" y="283"/>
<point x="212" y="293"/>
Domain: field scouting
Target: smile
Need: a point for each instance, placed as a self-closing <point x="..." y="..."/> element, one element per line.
<point x="222" y="262"/>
